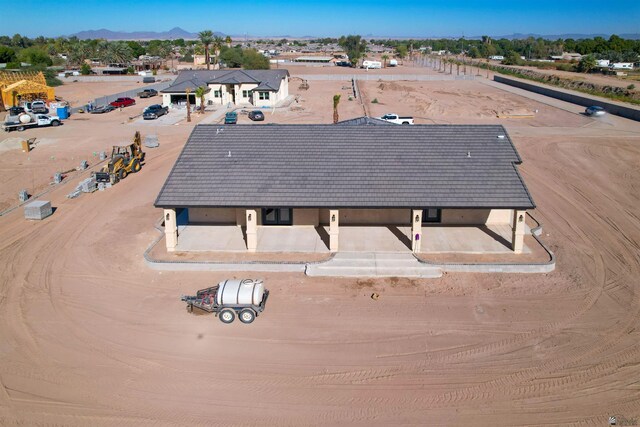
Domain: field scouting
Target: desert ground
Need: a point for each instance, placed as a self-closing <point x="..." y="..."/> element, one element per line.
<point x="89" y="335"/>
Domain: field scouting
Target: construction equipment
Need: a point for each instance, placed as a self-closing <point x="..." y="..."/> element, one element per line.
<point x="245" y="298"/>
<point x="125" y="159"/>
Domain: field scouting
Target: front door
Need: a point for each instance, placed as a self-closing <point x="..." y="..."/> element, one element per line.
<point x="232" y="91"/>
<point x="272" y="216"/>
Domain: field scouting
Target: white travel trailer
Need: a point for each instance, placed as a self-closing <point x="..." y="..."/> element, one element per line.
<point x="622" y="66"/>
<point x="371" y="64"/>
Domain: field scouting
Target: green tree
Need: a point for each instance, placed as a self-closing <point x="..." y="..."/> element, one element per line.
<point x="85" y="69"/>
<point x="354" y="46"/>
<point x="35" y="56"/>
<point x="228" y="41"/>
<point x="474" y="52"/>
<point x="587" y="63"/>
<point x="512" y="58"/>
<point x="7" y="54"/>
<point x="254" y="60"/>
<point x="385" y="58"/>
<point x="401" y="51"/>
<point x="206" y="38"/>
<point x="232" y="58"/>
<point x="136" y="48"/>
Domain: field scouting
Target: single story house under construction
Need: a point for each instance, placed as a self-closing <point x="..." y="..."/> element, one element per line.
<point x="260" y="88"/>
<point x="336" y="176"/>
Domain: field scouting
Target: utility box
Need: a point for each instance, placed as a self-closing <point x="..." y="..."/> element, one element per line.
<point x="37" y="210"/>
<point x="23" y="196"/>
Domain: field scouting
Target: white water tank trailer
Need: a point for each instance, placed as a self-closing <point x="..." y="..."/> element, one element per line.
<point x="245" y="298"/>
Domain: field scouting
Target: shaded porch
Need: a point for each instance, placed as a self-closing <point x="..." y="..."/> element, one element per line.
<point x="488" y="239"/>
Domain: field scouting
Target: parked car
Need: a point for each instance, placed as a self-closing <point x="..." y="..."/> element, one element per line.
<point x="37" y="107"/>
<point x="343" y="64"/>
<point x="595" y="111"/>
<point x="123" y="102"/>
<point x="147" y="93"/>
<point x="148" y="80"/>
<point x="231" y="118"/>
<point x="256" y="115"/>
<point x="103" y="109"/>
<point x="154" y="111"/>
<point x="399" y="120"/>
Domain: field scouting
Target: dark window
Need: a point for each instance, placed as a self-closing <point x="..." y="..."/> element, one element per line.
<point x="245" y="94"/>
<point x="263" y="95"/>
<point x="277" y="216"/>
<point x="431" y="216"/>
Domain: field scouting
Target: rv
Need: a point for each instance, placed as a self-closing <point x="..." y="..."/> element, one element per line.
<point x="371" y="64"/>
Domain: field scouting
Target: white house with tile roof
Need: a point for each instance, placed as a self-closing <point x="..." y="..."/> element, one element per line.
<point x="258" y="88"/>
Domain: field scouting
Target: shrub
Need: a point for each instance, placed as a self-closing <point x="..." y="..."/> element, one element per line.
<point x="85" y="70"/>
<point x="631" y="87"/>
<point x="375" y="101"/>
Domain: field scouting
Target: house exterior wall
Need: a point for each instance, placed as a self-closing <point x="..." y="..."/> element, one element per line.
<point x="476" y="216"/>
<point x="213" y="215"/>
<point x="306" y="217"/>
<point x="375" y="216"/>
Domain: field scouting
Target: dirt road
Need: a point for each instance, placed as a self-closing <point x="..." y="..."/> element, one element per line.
<point x="90" y="336"/>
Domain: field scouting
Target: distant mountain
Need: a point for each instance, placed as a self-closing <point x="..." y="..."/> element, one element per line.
<point x="174" y="33"/>
<point x="519" y="36"/>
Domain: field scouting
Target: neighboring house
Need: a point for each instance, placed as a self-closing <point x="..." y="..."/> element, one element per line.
<point x="316" y="59"/>
<point x="356" y="173"/>
<point x="237" y="87"/>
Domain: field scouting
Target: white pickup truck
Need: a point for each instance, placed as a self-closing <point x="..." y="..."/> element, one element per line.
<point x="394" y="118"/>
<point x="26" y="120"/>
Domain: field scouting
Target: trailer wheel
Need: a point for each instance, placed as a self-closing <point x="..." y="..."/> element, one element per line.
<point x="20" y="128"/>
<point x="247" y="315"/>
<point x="227" y="316"/>
<point x="190" y="308"/>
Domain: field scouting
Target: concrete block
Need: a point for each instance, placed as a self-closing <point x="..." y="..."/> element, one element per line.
<point x="84" y="165"/>
<point x="57" y="178"/>
<point x="38" y="210"/>
<point x="23" y="196"/>
<point x="88" y="185"/>
<point x="103" y="155"/>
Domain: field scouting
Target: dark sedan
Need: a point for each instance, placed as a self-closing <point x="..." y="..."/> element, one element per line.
<point x="256" y="115"/>
<point x="103" y="109"/>
<point x="154" y="111"/>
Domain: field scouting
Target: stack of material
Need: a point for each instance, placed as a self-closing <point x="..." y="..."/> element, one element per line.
<point x="88" y="185"/>
<point x="151" y="141"/>
<point x="40" y="209"/>
<point x="23" y="196"/>
<point x="57" y="178"/>
<point x="103" y="155"/>
<point x="83" y="165"/>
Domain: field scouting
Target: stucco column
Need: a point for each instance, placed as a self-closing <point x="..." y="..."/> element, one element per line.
<point x="251" y="215"/>
<point x="334" y="221"/>
<point x="416" y="230"/>
<point x="170" y="229"/>
<point x="517" y="230"/>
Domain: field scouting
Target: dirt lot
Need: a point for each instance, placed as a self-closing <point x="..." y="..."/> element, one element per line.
<point x="90" y="336"/>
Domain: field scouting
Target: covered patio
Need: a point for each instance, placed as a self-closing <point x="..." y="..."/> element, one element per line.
<point x="489" y="239"/>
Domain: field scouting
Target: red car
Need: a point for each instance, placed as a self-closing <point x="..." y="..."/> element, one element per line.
<point x="123" y="102"/>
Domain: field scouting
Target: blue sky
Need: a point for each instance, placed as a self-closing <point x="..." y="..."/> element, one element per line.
<point x="402" y="18"/>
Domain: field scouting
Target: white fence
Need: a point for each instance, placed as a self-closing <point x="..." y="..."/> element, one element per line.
<point x="386" y="77"/>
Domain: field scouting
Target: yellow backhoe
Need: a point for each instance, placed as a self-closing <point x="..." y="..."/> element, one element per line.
<point x="125" y="159"/>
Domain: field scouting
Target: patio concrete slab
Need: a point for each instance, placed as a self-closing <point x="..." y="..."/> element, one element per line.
<point x="218" y="238"/>
<point x="375" y="239"/>
<point x="490" y="239"/>
<point x="292" y="239"/>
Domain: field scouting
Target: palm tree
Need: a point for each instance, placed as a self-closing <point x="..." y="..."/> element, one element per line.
<point x="217" y="46"/>
<point x="206" y="38"/>
<point x="385" y="58"/>
<point x="227" y="40"/>
<point x="188" y="92"/>
<point x="200" y="91"/>
<point x="336" y="101"/>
